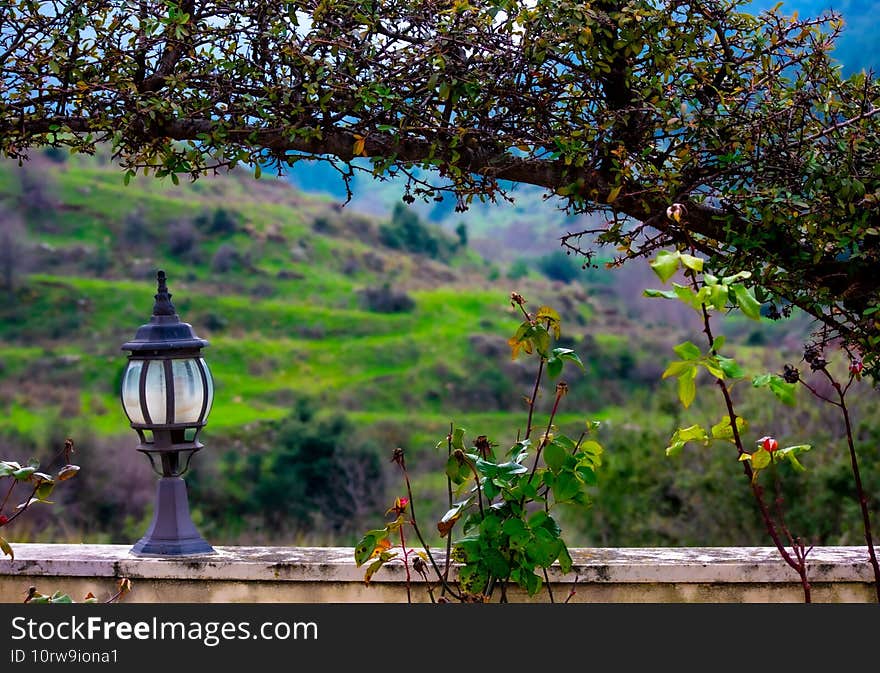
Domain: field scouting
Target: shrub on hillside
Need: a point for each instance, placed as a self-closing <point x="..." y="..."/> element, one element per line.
<point x="385" y="299"/>
<point x="183" y="240"/>
<point x="559" y="266"/>
<point x="225" y="259"/>
<point x="407" y="232"/>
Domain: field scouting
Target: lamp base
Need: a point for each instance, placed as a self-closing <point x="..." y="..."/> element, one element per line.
<point x="172" y="532"/>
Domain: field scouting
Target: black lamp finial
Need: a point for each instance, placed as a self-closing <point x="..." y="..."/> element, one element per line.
<point x="163" y="305"/>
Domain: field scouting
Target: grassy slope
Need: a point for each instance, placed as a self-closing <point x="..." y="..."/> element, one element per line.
<point x="286" y="320"/>
<point x="273" y="336"/>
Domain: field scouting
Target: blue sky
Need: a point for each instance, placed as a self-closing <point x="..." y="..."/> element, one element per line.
<point x="859" y="46"/>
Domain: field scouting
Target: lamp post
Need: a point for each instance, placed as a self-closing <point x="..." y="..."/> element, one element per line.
<point x="167" y="393"/>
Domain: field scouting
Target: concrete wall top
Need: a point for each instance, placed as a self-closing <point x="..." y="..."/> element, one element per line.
<point x="336" y="564"/>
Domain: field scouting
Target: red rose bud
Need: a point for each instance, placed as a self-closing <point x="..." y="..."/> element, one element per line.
<point x="856" y="367"/>
<point x="399" y="506"/>
<point x="768" y="444"/>
<point x="3" y="519"/>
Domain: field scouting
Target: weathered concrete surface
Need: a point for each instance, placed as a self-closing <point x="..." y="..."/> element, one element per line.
<point x="329" y="575"/>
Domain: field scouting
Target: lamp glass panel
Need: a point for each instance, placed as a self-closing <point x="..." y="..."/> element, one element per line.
<point x="131" y="400"/>
<point x="188" y="391"/>
<point x="210" y="390"/>
<point x="156" y="393"/>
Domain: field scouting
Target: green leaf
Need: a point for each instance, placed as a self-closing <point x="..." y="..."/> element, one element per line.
<point x="565" y="487"/>
<point x="554" y="456"/>
<point x="690" y="298"/>
<point x="760" y="459"/>
<point x="59" y="597"/>
<point x="509" y="469"/>
<point x="551" y="317"/>
<point x="677" y="368"/>
<point x="687" y="387"/>
<point x="687" y="351"/>
<point x="723" y="430"/>
<point x="473" y="578"/>
<point x="554" y="367"/>
<point x="365" y="548"/>
<point x="543" y="549"/>
<point x="588" y="474"/>
<point x="784" y="391"/>
<point x="44" y="490"/>
<point x="8" y="467"/>
<point x="742" y="275"/>
<point x="565" y="562"/>
<point x="666" y="264"/>
<point x="373" y="568"/>
<point x="514" y="527"/>
<point x="24" y="473"/>
<point x="718" y="296"/>
<point x="691" y="262"/>
<point x="538" y="519"/>
<point x="6" y="549"/>
<point x="541" y="519"/>
<point x="569" y="355"/>
<point x="458" y="438"/>
<point x="457" y="470"/>
<point x="496" y="563"/>
<point x="665" y="294"/>
<point x="712" y="366"/>
<point x="693" y="433"/>
<point x="540" y="338"/>
<point x="730" y="367"/>
<point x="790" y="453"/>
<point x="750" y="306"/>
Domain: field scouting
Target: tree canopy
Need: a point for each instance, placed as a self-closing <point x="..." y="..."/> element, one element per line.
<point x="688" y="124"/>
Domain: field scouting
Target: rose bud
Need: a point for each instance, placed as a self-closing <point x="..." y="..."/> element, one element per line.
<point x="768" y="444"/>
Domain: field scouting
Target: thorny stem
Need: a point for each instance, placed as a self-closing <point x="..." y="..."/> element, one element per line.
<point x="424" y="575"/>
<point x="857" y="478"/>
<point x="798" y="564"/>
<point x="479" y="488"/>
<point x="406" y="563"/>
<point x="547" y="584"/>
<point x="572" y="591"/>
<point x="559" y="394"/>
<point x="415" y="525"/>
<point x="26" y="506"/>
<point x="8" y="493"/>
<point x="778" y="501"/>
<point x="449" y="493"/>
<point x="533" y="398"/>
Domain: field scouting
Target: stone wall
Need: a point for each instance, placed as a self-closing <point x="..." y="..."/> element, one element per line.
<point x="329" y="575"/>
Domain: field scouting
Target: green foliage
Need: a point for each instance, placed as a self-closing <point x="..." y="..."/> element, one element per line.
<point x="309" y="471"/>
<point x="38" y="487"/>
<point x="407" y="232"/>
<point x="559" y="266"/>
<point x="519" y="268"/>
<point x="504" y="507"/>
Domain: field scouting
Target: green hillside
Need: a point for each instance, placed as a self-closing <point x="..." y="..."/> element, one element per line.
<point x="336" y="337"/>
